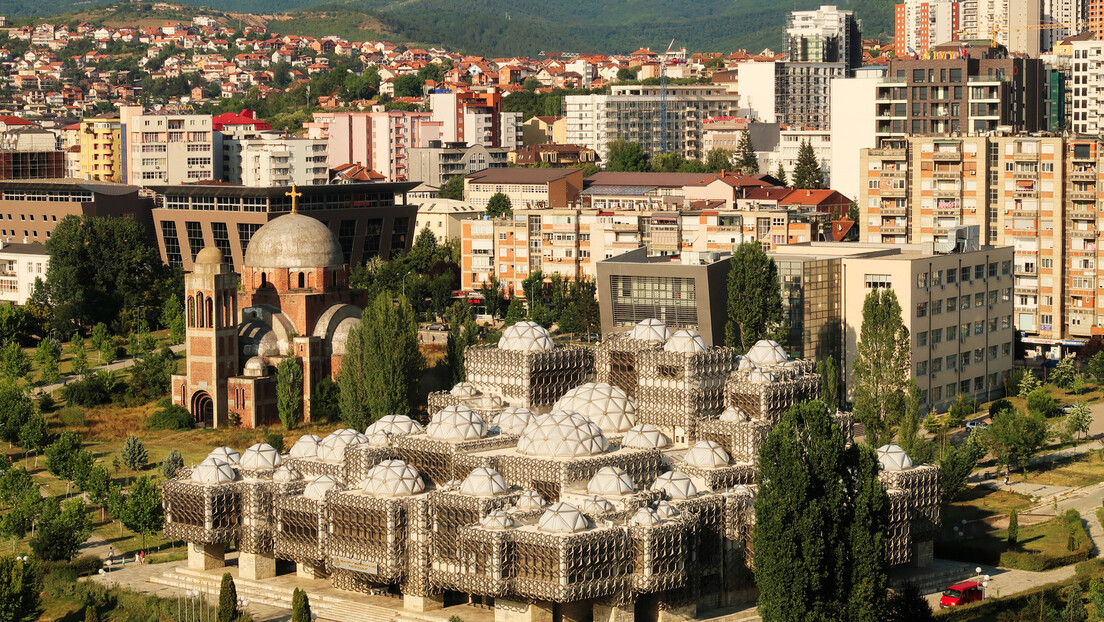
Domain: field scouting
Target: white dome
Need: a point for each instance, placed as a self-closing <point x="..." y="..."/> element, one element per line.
<point x="706" y="455"/>
<point x="651" y="330"/>
<point x="255" y="367"/>
<point x="645" y="517"/>
<point x="766" y="353"/>
<point x="893" y="458"/>
<point x="497" y="519"/>
<point x="676" y="485"/>
<point x="529" y="501"/>
<point x="332" y="448"/>
<point x="645" y="436"/>
<point x="464" y="389"/>
<point x="213" y="471"/>
<point x="319" y="486"/>
<point x="686" y="341"/>
<point x="562" y="434"/>
<point x="525" y="336"/>
<point x="306" y="446"/>
<point x="611" y="480"/>
<point x="562" y="518"/>
<point x="261" y="456"/>
<point x="484" y="402"/>
<point x="596" y="504"/>
<point x="286" y="474"/>
<point x="745" y="364"/>
<point x="379" y="439"/>
<point x="759" y="376"/>
<point x="666" y="511"/>
<point x="734" y="413"/>
<point x="394" y="425"/>
<point x="226" y="454"/>
<point x="606" y="405"/>
<point x="484" y="482"/>
<point x="514" y="420"/>
<point x="456" y="423"/>
<point x="392" y="478"/>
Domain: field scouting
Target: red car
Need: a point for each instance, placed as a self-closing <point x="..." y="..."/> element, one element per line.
<point x="960" y="594"/>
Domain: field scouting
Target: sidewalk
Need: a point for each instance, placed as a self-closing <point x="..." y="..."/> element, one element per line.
<point x="120" y="364"/>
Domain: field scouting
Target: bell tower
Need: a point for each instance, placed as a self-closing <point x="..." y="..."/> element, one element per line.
<point x="211" y="309"/>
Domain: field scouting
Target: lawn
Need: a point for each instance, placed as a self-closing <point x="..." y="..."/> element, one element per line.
<point x="1075" y="471"/>
<point x="981" y="502"/>
<point x="1047" y="539"/>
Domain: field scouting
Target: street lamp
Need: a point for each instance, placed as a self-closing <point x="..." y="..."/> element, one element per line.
<point x="404" y="281"/>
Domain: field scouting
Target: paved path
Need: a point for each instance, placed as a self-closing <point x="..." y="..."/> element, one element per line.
<point x="120" y="364"/>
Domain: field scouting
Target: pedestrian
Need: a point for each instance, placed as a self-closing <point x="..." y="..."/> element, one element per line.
<point x="143" y="557"/>
<point x="111" y="554"/>
<point x="1005" y="476"/>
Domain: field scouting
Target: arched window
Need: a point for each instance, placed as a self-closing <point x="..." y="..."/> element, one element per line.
<point x="210" y="313"/>
<point x="191" y="312"/>
<point x="264" y="280"/>
<point x="302" y="280"/>
<point x="199" y="310"/>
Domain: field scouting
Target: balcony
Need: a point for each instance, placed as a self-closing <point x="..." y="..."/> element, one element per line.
<point x="1082" y="233"/>
<point x="947" y="175"/>
<point x="947" y="211"/>
<point x="893" y="229"/>
<point x="886" y="173"/>
<point x="1082" y="214"/>
<point x="893" y="211"/>
<point x="896" y="154"/>
<point x="1025" y="175"/>
<point x="893" y="192"/>
<point x="1083" y="175"/>
<point x="947" y="155"/>
<point x="947" y="193"/>
<point x="1025" y="157"/>
<point x="1082" y="195"/>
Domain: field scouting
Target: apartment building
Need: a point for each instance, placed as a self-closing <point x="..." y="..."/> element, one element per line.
<point x="443" y="216"/>
<point x="956" y="304"/>
<point x="1086" y="87"/>
<point x="20" y="266"/>
<point x="853" y="126"/>
<point x="476" y="119"/>
<point x="100" y="149"/>
<point x="440" y="161"/>
<point x="541" y="130"/>
<point x="525" y="187"/>
<point x="923" y="97"/>
<point x="789" y="93"/>
<point x="380" y="141"/>
<point x="825" y="35"/>
<point x="920" y="24"/>
<point x="278" y="161"/>
<point x="169" y="148"/>
<point x="632" y="113"/>
<point x="369" y="219"/>
<point x="30" y="209"/>
<point x="784" y="149"/>
<point x="1037" y="194"/>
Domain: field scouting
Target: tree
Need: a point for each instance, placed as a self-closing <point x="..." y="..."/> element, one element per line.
<point x="91" y="614"/>
<point x="16" y="410"/>
<point x="103" y="343"/>
<point x="820" y="517"/>
<point x="1063" y="373"/>
<point x="228" y="600"/>
<point x="1075" y="608"/>
<point x="60" y="454"/>
<point x="409" y="85"/>
<point x="21" y="516"/>
<point x="909" y="438"/>
<point x="20" y="586"/>
<point x="515" y="312"/>
<point x="1028" y="383"/>
<point x="909" y="605"/>
<point x="1015" y="436"/>
<point x="15" y="364"/>
<point x="806" y="173"/>
<point x="98" y="486"/>
<point x="744" y="159"/>
<point x="491" y="293"/>
<point x="462" y="333"/>
<point x="1079" y="420"/>
<point x="581" y="314"/>
<point x="380" y="370"/>
<point x="754" y="297"/>
<point x="533" y="287"/>
<point x="35" y="436"/>
<point x="80" y="355"/>
<point x="300" y="606"/>
<point x="829" y="373"/>
<point x="325" y="401"/>
<point x="532" y="84"/>
<point x="881" y="371"/>
<point x="498" y="206"/>
<point x="718" y="160"/>
<point x="956" y="465"/>
<point x="172" y="318"/>
<point x="14" y="483"/>
<point x="1096" y="596"/>
<point x="61" y="529"/>
<point x="134" y="454"/>
<point x="1013" y="528"/>
<point x="780" y="175"/>
<point x="289" y="391"/>
<point x="1096" y="367"/>
<point x="452" y="189"/>
<point x="142" y="511"/>
<point x="962" y="407"/>
<point x="627" y="157"/>
<point x="48" y="357"/>
<point x="173" y="463"/>
<point x="16" y="323"/>
<point x="1041" y="402"/>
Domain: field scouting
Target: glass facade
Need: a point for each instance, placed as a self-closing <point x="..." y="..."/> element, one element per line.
<point x="673" y="300"/>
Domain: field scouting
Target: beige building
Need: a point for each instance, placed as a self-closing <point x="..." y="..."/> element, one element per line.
<point x="20" y="266"/>
<point x="544" y="130"/>
<point x="525" y="187"/>
<point x="280" y="162"/>
<point x="957" y="307"/>
<point x="438" y="162"/>
<point x="165" y="148"/>
<point x="443" y="216"/>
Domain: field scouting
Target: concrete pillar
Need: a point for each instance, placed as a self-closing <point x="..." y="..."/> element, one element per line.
<point x="206" y="556"/>
<point x="432" y="602"/>
<point x="308" y="571"/>
<point x="923" y="555"/>
<point x="609" y="613"/>
<point x="515" y="611"/>
<point x="256" y="566"/>
<point x="578" y="611"/>
<point x="678" y="614"/>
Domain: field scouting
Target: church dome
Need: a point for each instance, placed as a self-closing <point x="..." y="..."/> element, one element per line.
<point x="294" y="241"/>
<point x="209" y="255"/>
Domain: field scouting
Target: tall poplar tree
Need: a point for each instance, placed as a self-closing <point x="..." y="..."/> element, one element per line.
<point x="820" y="523"/>
<point x="754" y="298"/>
<point x="745" y="159"/>
<point x="882" y="368"/>
<point x="380" y="370"/>
<point x="462" y="333"/>
<point x="289" y="391"/>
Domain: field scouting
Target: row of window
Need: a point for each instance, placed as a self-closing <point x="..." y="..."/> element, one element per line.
<point x="962" y="360"/>
<point x="949" y="392"/>
<point x="936" y="335"/>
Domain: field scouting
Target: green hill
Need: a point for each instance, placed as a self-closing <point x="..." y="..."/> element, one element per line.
<point x="509" y="27"/>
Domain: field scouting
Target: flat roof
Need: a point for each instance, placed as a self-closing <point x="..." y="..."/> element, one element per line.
<point x="521" y="175"/>
<point x="68" y="183"/>
<point x="33" y="248"/>
<point x="275" y="192"/>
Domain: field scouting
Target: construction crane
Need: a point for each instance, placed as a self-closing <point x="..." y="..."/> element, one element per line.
<point x="663" y="99"/>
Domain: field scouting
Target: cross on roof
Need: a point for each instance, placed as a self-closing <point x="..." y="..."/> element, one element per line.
<point x="294" y="195"/>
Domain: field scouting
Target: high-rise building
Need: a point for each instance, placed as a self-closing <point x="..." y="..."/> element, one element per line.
<point x="170" y="148"/>
<point x="1086" y="88"/>
<point x="100" y="142"/>
<point x="476" y="119"/>
<point x="282" y="162"/>
<point x="921" y="24"/>
<point x="796" y="94"/>
<point x="825" y="35"/>
<point x="377" y="140"/>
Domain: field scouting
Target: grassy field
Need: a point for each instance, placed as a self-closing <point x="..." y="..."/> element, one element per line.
<point x="979" y="503"/>
<point x="1075" y="472"/>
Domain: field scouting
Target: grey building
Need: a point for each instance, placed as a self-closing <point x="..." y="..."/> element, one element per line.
<point x="441" y="161"/>
<point x="825" y="35"/>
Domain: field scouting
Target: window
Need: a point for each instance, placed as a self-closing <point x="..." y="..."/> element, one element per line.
<point x="952" y="362"/>
<point x="993" y="269"/>
<point x="979" y="299"/>
<point x="964" y="332"/>
<point x="979" y="271"/>
<point x="965" y="359"/>
<point x="922" y="280"/>
<point x="937" y="307"/>
<point x="952" y="304"/>
<point x="922" y="368"/>
<point x="922" y="338"/>
<point x="952" y="277"/>
<point x="1006" y="349"/>
<point x="922" y="309"/>
<point x="936" y="365"/>
<point x="979" y="327"/>
<point x="952" y="333"/>
<point x="964" y="274"/>
<point x="1006" y="267"/>
<point x="965" y="302"/>
<point x="878" y="281"/>
<point x="937" y="336"/>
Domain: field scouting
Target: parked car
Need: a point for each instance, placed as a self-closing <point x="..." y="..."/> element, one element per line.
<point x="960" y="594"/>
<point x="437" y="327"/>
<point x="976" y="424"/>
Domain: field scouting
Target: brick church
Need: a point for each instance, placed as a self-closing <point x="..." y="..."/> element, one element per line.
<point x="292" y="300"/>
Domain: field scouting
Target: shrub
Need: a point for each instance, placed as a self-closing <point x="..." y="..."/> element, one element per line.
<point x="276" y="440"/>
<point x="72" y="417"/>
<point x="46" y="403"/>
<point x="58" y="580"/>
<point x="171" y="417"/>
<point x="1039" y="401"/>
<point x="95" y="390"/>
<point x="228" y="599"/>
<point x="998" y="406"/>
<point x="164" y="402"/>
<point x="1039" y="562"/>
<point x="963" y="407"/>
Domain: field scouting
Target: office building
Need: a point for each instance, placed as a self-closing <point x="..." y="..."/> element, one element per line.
<point x="29" y="210"/>
<point x="631" y="113"/>
<point x="920" y="24"/>
<point x="825" y="35"/>
<point x="369" y="219"/>
<point x="440" y="161"/>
